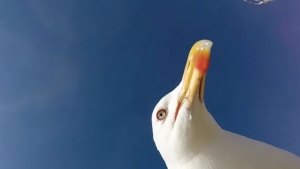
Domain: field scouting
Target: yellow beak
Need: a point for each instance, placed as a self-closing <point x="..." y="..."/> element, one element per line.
<point x="194" y="73"/>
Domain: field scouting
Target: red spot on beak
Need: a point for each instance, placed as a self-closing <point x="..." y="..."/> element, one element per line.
<point x="202" y="62"/>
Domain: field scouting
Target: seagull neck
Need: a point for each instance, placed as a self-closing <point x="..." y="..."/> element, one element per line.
<point x="194" y="136"/>
<point x="204" y="125"/>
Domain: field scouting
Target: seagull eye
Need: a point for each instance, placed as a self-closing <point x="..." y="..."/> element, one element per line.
<point x="161" y="114"/>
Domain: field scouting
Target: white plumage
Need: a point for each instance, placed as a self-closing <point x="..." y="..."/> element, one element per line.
<point x="194" y="140"/>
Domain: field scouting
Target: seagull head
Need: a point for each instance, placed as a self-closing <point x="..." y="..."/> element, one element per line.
<point x="182" y="126"/>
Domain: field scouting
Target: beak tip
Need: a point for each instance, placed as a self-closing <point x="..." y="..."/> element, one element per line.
<point x="205" y="43"/>
<point x="200" y="45"/>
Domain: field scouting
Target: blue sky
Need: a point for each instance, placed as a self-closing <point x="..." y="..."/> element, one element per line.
<point x="79" y="79"/>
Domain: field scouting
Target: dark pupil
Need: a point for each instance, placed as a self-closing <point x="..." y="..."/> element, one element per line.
<point x="161" y="114"/>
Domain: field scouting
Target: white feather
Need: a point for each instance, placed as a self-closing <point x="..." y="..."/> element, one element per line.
<point x="200" y="143"/>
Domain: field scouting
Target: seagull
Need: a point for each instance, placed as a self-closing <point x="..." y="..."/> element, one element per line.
<point x="188" y="137"/>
